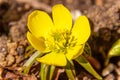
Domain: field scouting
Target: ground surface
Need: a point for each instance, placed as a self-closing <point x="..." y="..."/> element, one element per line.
<point x="104" y="16"/>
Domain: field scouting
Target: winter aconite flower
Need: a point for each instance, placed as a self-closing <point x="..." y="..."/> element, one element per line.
<point x="57" y="38"/>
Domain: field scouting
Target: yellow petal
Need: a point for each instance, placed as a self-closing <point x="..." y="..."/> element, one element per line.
<point x="39" y="23"/>
<point x="57" y="59"/>
<point x="74" y="52"/>
<point x="80" y="51"/>
<point x="61" y="17"/>
<point x="81" y="30"/>
<point x="38" y="44"/>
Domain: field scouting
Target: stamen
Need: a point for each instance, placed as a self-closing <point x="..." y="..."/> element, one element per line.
<point x="61" y="41"/>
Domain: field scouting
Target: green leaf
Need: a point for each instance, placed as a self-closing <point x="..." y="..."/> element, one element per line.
<point x="114" y="51"/>
<point x="86" y="65"/>
<point x="28" y="51"/>
<point x="30" y="61"/>
<point x="28" y="48"/>
<point x="70" y="70"/>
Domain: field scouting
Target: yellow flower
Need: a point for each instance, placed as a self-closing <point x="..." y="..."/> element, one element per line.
<point x="56" y="37"/>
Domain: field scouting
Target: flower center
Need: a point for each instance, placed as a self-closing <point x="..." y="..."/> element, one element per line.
<point x="61" y="41"/>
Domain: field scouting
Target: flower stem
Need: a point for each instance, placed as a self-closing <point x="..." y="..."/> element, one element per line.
<point x="43" y="71"/>
<point x="30" y="61"/>
<point x="70" y="71"/>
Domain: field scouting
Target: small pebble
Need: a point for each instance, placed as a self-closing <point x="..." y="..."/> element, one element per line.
<point x="69" y="1"/>
<point x="108" y="69"/>
<point x="10" y="60"/>
<point x="19" y="9"/>
<point x="76" y="14"/>
<point x="86" y="78"/>
<point x="27" y="6"/>
<point x="12" y="48"/>
<point x="1" y="71"/>
<point x="20" y="50"/>
<point x="110" y="77"/>
<point x="3" y="63"/>
<point x="2" y="57"/>
<point x="118" y="78"/>
<point x="118" y="71"/>
<point x="19" y="59"/>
